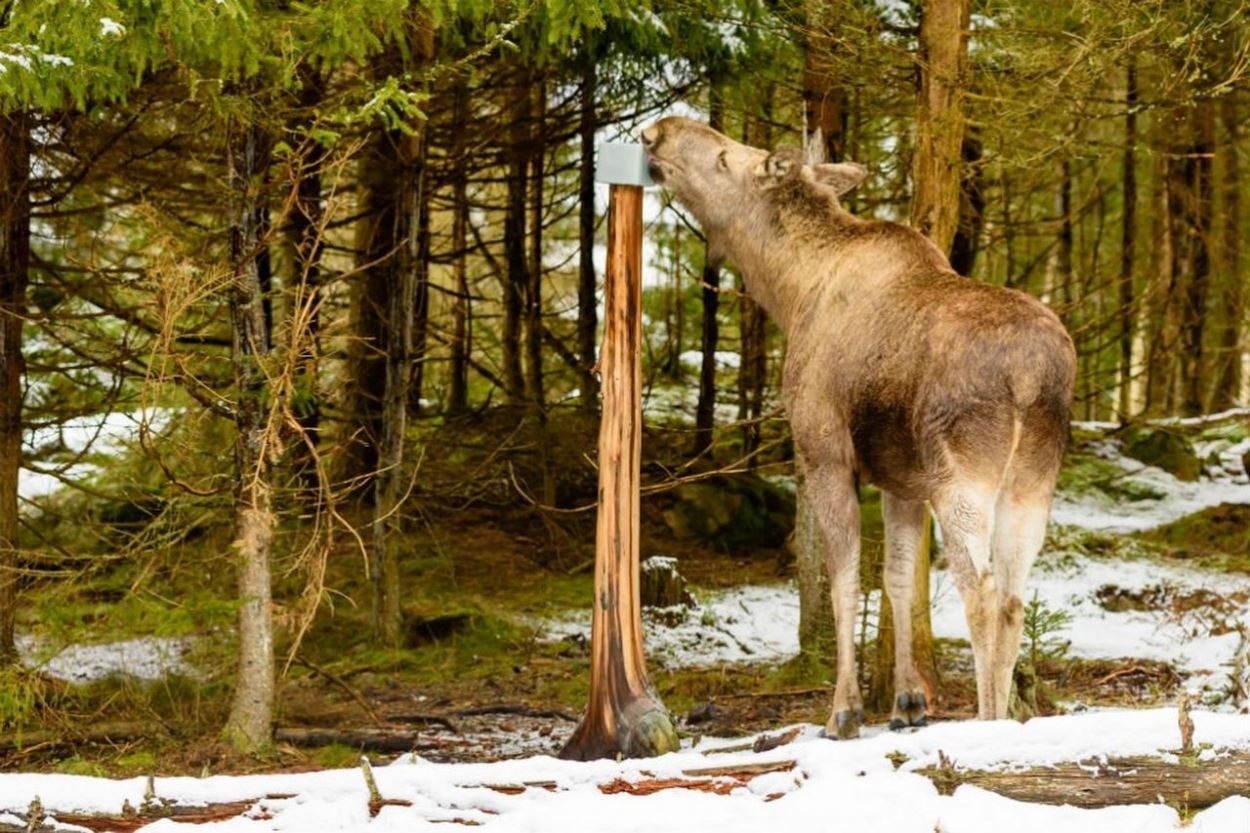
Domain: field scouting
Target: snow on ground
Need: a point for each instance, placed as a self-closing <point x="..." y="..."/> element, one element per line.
<point x="755" y="624"/>
<point x="833" y="785"/>
<point x="1189" y="622"/>
<point x="758" y="624"/>
<point x="1225" y="482"/>
<point x="146" y="658"/>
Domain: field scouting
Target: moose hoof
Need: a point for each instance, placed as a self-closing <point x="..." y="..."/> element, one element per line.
<point x="909" y="710"/>
<point x="844" y="725"/>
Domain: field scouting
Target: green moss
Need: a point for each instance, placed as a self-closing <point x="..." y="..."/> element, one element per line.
<point x="336" y="756"/>
<point x="1084" y="473"/>
<point x="80" y="766"/>
<point x="1166" y="449"/>
<point x="141" y="762"/>
<point x="1216" y="538"/>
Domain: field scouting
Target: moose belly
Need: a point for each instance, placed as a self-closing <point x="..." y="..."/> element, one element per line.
<point x="888" y="454"/>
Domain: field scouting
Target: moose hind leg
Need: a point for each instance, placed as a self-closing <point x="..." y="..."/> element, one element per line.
<point x="904" y="527"/>
<point x="831" y="491"/>
<point x="966" y="517"/>
<point x="1019" y="530"/>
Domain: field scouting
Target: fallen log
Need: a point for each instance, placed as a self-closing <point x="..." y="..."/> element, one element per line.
<point x="128" y="819"/>
<point x="1187" y="782"/>
<point x="113" y="732"/>
<point x="372" y="740"/>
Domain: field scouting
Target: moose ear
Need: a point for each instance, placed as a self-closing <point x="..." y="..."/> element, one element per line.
<point x="840" y="177"/>
<point x="779" y="167"/>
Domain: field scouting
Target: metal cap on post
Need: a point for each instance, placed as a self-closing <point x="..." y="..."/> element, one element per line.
<point x="624" y="716"/>
<point x="621" y="163"/>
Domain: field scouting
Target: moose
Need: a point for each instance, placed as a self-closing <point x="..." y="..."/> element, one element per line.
<point x="898" y="373"/>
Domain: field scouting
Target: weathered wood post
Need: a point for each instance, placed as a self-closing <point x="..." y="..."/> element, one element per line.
<point x="624" y="717"/>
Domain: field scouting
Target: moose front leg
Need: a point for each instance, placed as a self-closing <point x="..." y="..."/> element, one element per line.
<point x="831" y="490"/>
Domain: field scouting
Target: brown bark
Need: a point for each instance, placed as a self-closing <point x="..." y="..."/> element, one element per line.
<point x="705" y="409"/>
<point x="304" y="233"/>
<point x="515" y="279"/>
<point x="1197" y="213"/>
<point x="624" y="716"/>
<point x="936" y="178"/>
<point x="939" y="119"/>
<point x="404" y="275"/>
<point x="1228" y="381"/>
<point x="816" y="634"/>
<point x="461" y="312"/>
<point x="587" y="304"/>
<point x="1128" y="241"/>
<point x="250" y="723"/>
<point x="1159" y="315"/>
<point x="967" y="240"/>
<point x="14" y="266"/>
<point x="753" y="322"/>
<point x="1118" y="781"/>
<point x="534" y="284"/>
<point x="824" y="98"/>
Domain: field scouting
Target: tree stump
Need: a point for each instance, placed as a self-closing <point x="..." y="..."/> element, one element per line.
<point x="662" y="585"/>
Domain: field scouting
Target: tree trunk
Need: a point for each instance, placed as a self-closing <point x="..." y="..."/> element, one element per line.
<point x="14" y="266"/>
<point x="587" y="303"/>
<point x="824" y="98"/>
<point x="534" y="284"/>
<point x="705" y="409"/>
<point x="304" y="234"/>
<point x="421" y="281"/>
<point x="407" y="199"/>
<point x="816" y="634"/>
<point x="1192" y="784"/>
<point x="1228" y="382"/>
<point x="515" y="279"/>
<point x="1159" y="317"/>
<point x="1128" y="241"/>
<point x="624" y="716"/>
<point x="939" y="119"/>
<point x="250" y="724"/>
<point x="461" y="311"/>
<point x="936" y="180"/>
<point x="1198" y="191"/>
<point x="967" y="240"/>
<point x="753" y="321"/>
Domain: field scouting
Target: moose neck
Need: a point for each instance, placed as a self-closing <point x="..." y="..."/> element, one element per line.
<point x="773" y="250"/>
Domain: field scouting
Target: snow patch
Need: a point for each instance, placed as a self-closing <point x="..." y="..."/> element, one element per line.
<point x="851" y="785"/>
<point x="146" y="658"/>
<point x="1224" y="482"/>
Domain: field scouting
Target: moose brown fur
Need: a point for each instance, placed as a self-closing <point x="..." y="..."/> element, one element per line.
<point x="898" y="373"/>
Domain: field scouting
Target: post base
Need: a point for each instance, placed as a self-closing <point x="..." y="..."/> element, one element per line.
<point x="643" y="729"/>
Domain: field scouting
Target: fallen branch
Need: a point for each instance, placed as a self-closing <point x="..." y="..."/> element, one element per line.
<point x="763" y="743"/>
<point x="718" y="780"/>
<point x="103" y="733"/>
<point x="376" y="801"/>
<point x="1140" y="780"/>
<point x="128" y="819"/>
<point x="373" y="740"/>
<point x="519" y="709"/>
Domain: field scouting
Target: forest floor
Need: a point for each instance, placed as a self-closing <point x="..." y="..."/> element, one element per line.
<point x="1143" y="591"/>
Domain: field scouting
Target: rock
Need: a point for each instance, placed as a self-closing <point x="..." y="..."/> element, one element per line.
<point x="736" y="514"/>
<point x="1168" y="450"/>
<point x="705" y="713"/>
<point x="423" y="630"/>
<point x="662" y="586"/>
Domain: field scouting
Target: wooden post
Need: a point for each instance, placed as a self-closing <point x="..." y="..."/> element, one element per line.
<point x="624" y="717"/>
